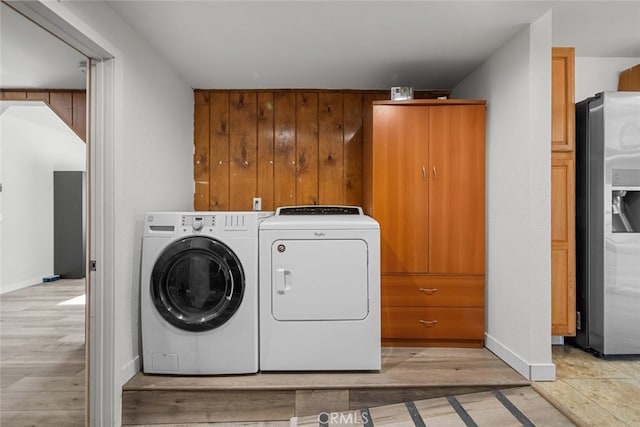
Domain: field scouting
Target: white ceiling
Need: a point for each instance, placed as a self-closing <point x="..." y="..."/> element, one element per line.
<point x="329" y="44"/>
<point x="31" y="58"/>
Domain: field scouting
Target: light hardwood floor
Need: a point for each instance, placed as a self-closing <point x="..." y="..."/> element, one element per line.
<point x="510" y="407"/>
<point x="42" y="368"/>
<point x="42" y="356"/>
<point x="407" y="374"/>
<point x="593" y="391"/>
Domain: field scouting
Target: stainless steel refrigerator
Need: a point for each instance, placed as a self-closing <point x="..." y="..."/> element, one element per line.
<point x="608" y="223"/>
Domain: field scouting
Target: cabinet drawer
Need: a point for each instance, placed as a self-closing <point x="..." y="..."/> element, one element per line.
<point x="432" y="290"/>
<point x="432" y="323"/>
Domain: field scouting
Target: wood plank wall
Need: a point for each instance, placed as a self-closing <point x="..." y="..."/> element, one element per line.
<point x="288" y="147"/>
<point x="70" y="105"/>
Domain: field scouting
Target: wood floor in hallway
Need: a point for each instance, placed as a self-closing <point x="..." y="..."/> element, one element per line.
<point x="42" y="355"/>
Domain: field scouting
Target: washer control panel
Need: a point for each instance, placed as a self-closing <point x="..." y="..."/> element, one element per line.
<point x="198" y="222"/>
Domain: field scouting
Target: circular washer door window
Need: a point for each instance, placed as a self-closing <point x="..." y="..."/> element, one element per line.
<point x="197" y="283"/>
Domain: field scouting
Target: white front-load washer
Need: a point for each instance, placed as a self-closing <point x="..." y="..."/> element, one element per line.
<point x="319" y="290"/>
<point x="199" y="293"/>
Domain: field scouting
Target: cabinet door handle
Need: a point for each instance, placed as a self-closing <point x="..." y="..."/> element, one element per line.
<point x="428" y="291"/>
<point x="435" y="172"/>
<point x="424" y="172"/>
<point x="428" y="323"/>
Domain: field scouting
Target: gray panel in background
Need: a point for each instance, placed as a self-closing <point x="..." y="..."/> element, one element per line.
<point x="69" y="224"/>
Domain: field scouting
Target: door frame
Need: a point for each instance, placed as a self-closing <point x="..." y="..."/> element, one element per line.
<point x="100" y="342"/>
<point x="100" y="335"/>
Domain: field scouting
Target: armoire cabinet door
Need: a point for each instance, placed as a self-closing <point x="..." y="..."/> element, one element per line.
<point x="456" y="189"/>
<point x="400" y="161"/>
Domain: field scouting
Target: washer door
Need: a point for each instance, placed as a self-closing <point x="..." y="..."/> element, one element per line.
<point x="197" y="283"/>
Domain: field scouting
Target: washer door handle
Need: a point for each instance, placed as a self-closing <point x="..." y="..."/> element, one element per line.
<point x="230" y="291"/>
<point x="283" y="283"/>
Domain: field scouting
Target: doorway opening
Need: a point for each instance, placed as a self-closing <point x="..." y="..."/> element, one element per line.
<point x="43" y="126"/>
<point x="98" y="82"/>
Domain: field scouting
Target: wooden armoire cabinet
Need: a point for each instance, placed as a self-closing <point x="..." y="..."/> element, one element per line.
<point x="424" y="171"/>
<point x="563" y="245"/>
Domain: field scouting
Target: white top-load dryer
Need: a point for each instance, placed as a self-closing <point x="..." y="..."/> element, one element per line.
<point x="319" y="290"/>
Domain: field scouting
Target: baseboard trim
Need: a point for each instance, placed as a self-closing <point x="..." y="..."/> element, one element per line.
<point x="20" y="285"/>
<point x="532" y="372"/>
<point x="130" y="369"/>
<point x="543" y="372"/>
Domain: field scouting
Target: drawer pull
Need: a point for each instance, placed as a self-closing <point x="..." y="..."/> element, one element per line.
<point x="428" y="291"/>
<point x="428" y="323"/>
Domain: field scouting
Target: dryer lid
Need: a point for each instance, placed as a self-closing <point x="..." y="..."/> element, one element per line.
<point x="319" y="217"/>
<point x="319" y="210"/>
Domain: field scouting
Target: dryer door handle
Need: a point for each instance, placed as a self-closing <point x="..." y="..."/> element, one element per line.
<point x="283" y="280"/>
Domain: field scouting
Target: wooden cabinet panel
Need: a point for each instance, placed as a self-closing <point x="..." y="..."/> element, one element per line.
<point x="432" y="290"/>
<point x="433" y="323"/>
<point x="563" y="300"/>
<point x="428" y="176"/>
<point x="456" y="190"/>
<point x="400" y="161"/>
<point x="563" y="297"/>
<point x="629" y="79"/>
<point x="562" y="198"/>
<point x="562" y="99"/>
<point x="563" y="267"/>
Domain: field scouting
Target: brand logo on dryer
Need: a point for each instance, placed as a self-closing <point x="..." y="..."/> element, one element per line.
<point x="318" y="234"/>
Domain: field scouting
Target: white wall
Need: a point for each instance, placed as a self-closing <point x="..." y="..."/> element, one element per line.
<point x="152" y="163"/>
<point x="34" y="142"/>
<point x="595" y="75"/>
<point x="516" y="82"/>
